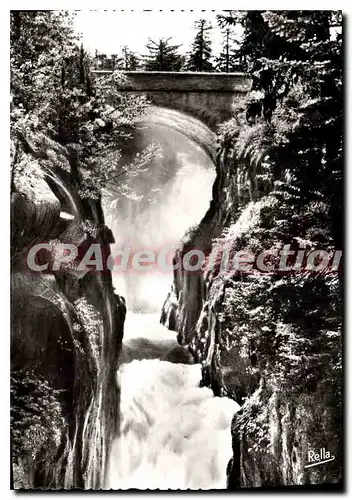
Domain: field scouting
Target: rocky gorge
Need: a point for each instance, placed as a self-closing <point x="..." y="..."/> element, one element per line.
<point x="240" y="385"/>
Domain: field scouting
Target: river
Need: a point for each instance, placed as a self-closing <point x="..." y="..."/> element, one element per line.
<point x="173" y="433"/>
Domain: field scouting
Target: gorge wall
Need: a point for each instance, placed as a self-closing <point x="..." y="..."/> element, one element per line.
<point x="67" y="328"/>
<point x="271" y="342"/>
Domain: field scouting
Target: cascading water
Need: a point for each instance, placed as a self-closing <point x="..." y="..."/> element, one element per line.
<point x="173" y="434"/>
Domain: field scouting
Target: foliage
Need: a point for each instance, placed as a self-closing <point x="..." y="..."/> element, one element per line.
<point x="36" y="416"/>
<point x="163" y="56"/>
<point x="120" y="184"/>
<point x="131" y="61"/>
<point x="106" y="63"/>
<point x="293" y="116"/>
<point x="126" y="61"/>
<point x="285" y="141"/>
<point x="40" y="41"/>
<point x="56" y="99"/>
<point x="200" y="56"/>
<point x="91" y="325"/>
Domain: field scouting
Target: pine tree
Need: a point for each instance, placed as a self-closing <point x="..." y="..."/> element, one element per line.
<point x="115" y="61"/>
<point x="163" y="56"/>
<point x="130" y="61"/>
<point x="199" y="58"/>
<point x="229" y="59"/>
<point x="103" y="58"/>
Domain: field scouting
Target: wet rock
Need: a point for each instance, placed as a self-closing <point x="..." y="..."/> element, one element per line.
<point x="273" y="436"/>
<point x="179" y="354"/>
<point x="67" y="330"/>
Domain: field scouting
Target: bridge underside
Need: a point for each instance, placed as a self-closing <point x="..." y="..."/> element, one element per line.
<point x="187" y="125"/>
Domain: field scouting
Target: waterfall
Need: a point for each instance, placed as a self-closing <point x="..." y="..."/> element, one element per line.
<point x="173" y="434"/>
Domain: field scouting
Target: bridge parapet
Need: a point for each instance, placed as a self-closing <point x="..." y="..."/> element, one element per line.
<point x="144" y="81"/>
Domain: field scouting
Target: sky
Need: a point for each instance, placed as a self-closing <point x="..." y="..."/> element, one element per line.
<point x="108" y="30"/>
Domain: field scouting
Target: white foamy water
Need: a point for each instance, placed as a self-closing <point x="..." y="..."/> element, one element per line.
<point x="171" y="196"/>
<point x="173" y="434"/>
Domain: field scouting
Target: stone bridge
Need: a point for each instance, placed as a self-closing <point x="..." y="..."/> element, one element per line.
<point x="205" y="96"/>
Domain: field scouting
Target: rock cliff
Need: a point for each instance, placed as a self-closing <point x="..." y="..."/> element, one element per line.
<point x="67" y="328"/>
<point x="270" y="341"/>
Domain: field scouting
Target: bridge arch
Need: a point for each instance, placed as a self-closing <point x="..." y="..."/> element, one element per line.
<point x="205" y="96"/>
